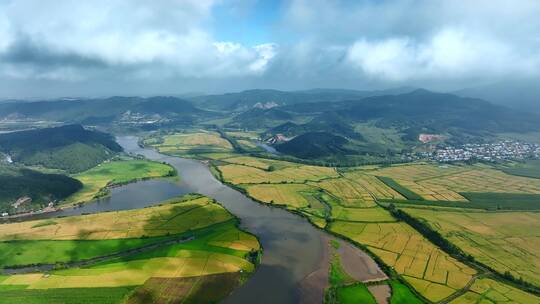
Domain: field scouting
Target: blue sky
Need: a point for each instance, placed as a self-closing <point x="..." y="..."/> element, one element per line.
<point x="250" y="24"/>
<point x="139" y="47"/>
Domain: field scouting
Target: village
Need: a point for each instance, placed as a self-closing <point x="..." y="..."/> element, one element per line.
<point x="490" y="152"/>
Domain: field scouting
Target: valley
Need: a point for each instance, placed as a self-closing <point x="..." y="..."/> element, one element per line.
<point x="224" y="199"/>
<point x="359" y="204"/>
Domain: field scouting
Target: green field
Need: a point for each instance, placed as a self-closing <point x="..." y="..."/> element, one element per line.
<point x="529" y="168"/>
<point x="401" y="294"/>
<point x="213" y="256"/>
<point x="102" y="295"/>
<point x="16" y="253"/>
<point x="116" y="172"/>
<point x="190" y="144"/>
<point x="357" y="293"/>
<point x="408" y="194"/>
<point x="484" y="200"/>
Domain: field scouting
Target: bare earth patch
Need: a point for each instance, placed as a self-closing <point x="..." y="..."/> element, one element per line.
<point x="381" y="293"/>
<point x="358" y="264"/>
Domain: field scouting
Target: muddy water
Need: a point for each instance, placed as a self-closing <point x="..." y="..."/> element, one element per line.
<point x="293" y="248"/>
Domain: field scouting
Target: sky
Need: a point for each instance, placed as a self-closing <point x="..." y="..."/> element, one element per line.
<point x="170" y="47"/>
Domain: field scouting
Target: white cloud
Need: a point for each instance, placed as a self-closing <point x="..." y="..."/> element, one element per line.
<point x="132" y="34"/>
<point x="448" y="54"/>
<point x="326" y="43"/>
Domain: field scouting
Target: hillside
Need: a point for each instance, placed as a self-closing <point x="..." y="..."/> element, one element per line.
<point x="132" y="110"/>
<point x="71" y="148"/>
<point x="524" y="95"/>
<point x="256" y="118"/>
<point x="328" y="122"/>
<point x="245" y="100"/>
<point x="382" y="125"/>
<point x="439" y="112"/>
<point x="314" y="145"/>
<point x="41" y="188"/>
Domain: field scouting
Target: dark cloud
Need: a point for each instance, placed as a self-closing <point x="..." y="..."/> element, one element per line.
<point x="142" y="47"/>
<point x="24" y="51"/>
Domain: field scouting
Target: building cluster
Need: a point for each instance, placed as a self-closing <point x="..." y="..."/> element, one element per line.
<point x="491" y="152"/>
<point x="134" y="118"/>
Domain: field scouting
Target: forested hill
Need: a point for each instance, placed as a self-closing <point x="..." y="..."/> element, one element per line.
<point x="422" y="108"/>
<point x="71" y="147"/>
<point x="105" y="110"/>
<point x="245" y="100"/>
<point x="41" y="188"/>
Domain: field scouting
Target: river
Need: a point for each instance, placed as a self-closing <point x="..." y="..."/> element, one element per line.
<point x="293" y="248"/>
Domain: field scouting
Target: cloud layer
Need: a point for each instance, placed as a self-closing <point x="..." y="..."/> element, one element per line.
<point x="74" y="47"/>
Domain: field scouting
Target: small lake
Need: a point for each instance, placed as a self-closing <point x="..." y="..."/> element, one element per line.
<point x="293" y="248"/>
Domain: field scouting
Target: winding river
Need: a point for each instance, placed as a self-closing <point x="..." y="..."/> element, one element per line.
<point x="293" y="248"/>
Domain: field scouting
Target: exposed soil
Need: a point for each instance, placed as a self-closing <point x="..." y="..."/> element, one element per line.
<point x="382" y="293"/>
<point x="358" y="264"/>
<point x="313" y="286"/>
<point x="354" y="261"/>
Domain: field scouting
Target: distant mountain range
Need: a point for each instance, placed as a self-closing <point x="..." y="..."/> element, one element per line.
<point x="102" y="111"/>
<point x="361" y="118"/>
<point x="524" y="95"/>
<point x="245" y="100"/>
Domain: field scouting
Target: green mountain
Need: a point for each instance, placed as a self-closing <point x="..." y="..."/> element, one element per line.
<point x="246" y="100"/>
<point x="41" y="188"/>
<point x="314" y="145"/>
<point x="71" y="148"/>
<point x="328" y="122"/>
<point x="256" y="118"/>
<point x="384" y="125"/>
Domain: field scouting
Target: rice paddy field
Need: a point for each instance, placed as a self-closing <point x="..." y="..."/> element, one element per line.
<point x="448" y="182"/>
<point x="433" y="273"/>
<point x="116" y="172"/>
<point x="492" y="292"/>
<point x="345" y="202"/>
<point x="241" y="174"/>
<point x="189" y="144"/>
<point x="210" y="253"/>
<point x="505" y="241"/>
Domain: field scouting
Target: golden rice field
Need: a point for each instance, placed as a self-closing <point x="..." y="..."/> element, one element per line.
<point x="373" y="185"/>
<point x="239" y="174"/>
<point x="374" y="214"/>
<point x="155" y="221"/>
<point x="189" y="142"/>
<point x="292" y="195"/>
<point x="186" y="263"/>
<point x="489" y="180"/>
<point x="490" y="291"/>
<point x="349" y="193"/>
<point x="351" y="198"/>
<point x="505" y="241"/>
<point x="417" y="172"/>
<point x="247" y="144"/>
<point x="444" y="183"/>
<point x="433" y="273"/>
<point x="250" y="162"/>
